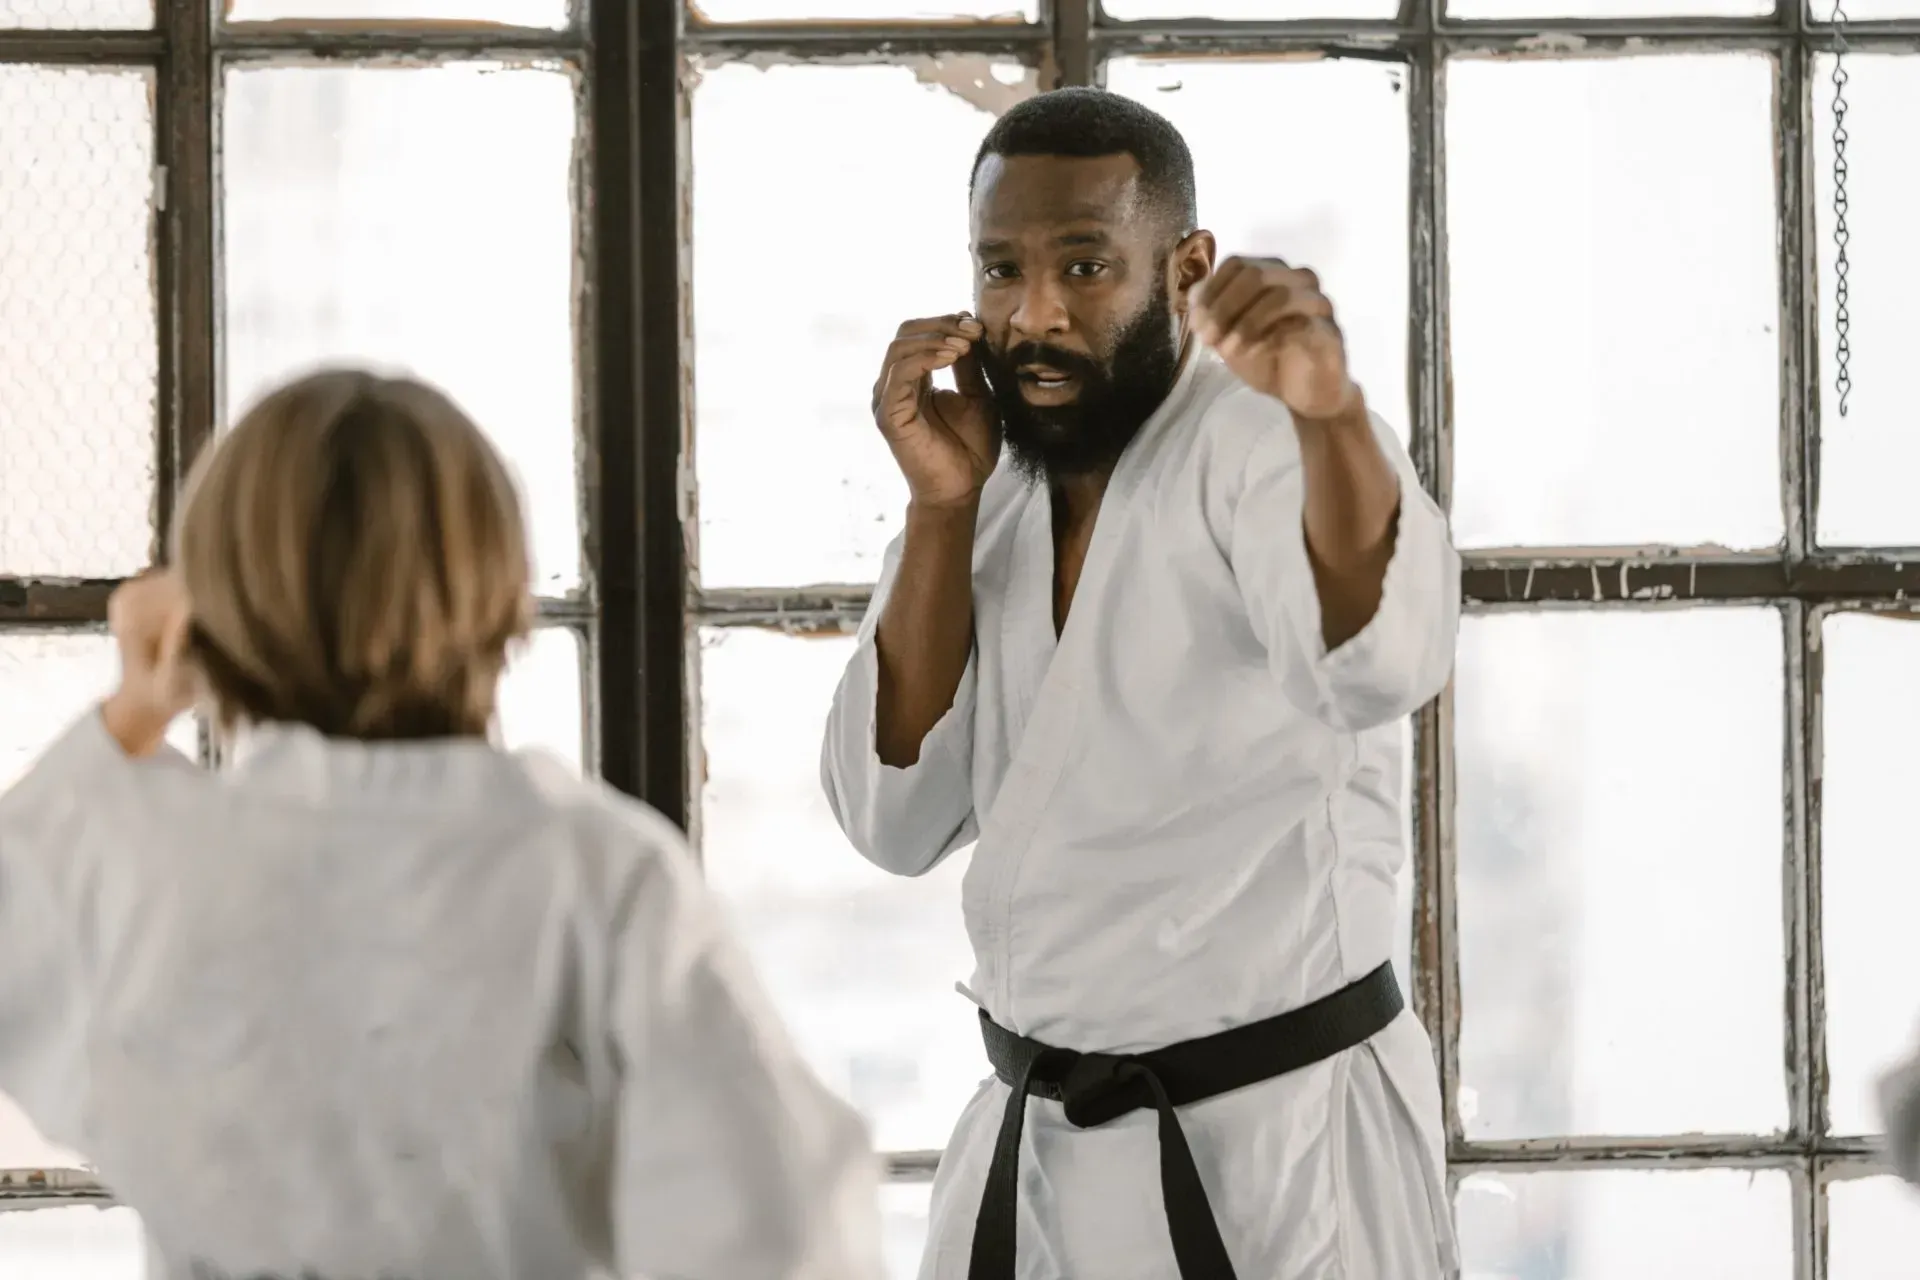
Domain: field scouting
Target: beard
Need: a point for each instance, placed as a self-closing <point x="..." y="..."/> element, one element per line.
<point x="1118" y="393"/>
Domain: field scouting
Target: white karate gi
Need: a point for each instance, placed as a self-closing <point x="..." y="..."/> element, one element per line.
<point x="1900" y="1118"/>
<point x="421" y="1011"/>
<point x="1188" y="816"/>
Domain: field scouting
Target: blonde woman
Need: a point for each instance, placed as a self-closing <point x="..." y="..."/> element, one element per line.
<point x="384" y="1002"/>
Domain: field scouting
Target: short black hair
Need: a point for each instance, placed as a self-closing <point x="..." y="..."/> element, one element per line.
<point x="1085" y="123"/>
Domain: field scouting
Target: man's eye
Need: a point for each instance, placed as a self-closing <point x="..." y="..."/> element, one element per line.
<point x="1086" y="270"/>
<point x="998" y="271"/>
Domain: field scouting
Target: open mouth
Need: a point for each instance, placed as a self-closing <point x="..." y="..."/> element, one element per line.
<point x="1044" y="377"/>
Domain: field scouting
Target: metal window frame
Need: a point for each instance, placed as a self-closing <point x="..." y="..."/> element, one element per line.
<point x="1803" y="581"/>
<point x="641" y="612"/>
<point x="629" y="613"/>
<point x="633" y="568"/>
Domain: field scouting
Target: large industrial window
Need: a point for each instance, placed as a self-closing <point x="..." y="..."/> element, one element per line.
<point x="1584" y="252"/>
<point x="198" y="200"/>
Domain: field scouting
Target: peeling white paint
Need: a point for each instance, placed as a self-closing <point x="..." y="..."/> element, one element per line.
<point x="1553" y="42"/>
<point x="978" y="80"/>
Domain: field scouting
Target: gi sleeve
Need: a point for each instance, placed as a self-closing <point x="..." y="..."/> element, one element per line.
<point x="901" y="820"/>
<point x="1900" y="1118"/>
<point x="81" y="785"/>
<point x="733" y="1161"/>
<point x="1404" y="655"/>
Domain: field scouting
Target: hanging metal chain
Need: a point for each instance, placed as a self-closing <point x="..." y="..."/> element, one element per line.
<point x="1842" y="320"/>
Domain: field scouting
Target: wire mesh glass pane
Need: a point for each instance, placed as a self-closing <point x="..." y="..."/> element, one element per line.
<point x="858" y="10"/>
<point x="541" y="696"/>
<point x="75" y="15"/>
<point x="1619" y="822"/>
<point x="1342" y="209"/>
<point x="1649" y="1225"/>
<point x="1869" y="457"/>
<point x="861" y="963"/>
<point x="1248" y="10"/>
<point x="79" y="356"/>
<point x="1869" y="879"/>
<point x="1614" y="301"/>
<point x="72" y="1243"/>
<point x="514" y="13"/>
<point x="1873" y="1229"/>
<point x="418" y="219"/>
<point x="796" y="485"/>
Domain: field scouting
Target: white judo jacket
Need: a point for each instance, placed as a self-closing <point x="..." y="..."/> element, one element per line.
<point x="1189" y="818"/>
<point x="396" y="1011"/>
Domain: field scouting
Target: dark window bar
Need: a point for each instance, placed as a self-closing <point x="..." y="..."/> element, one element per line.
<point x="1689" y="1152"/>
<point x="188" y="327"/>
<point x="1887" y="580"/>
<point x="28" y="604"/>
<point x="876" y="42"/>
<point x="1390" y="38"/>
<point x="656" y="648"/>
<point x="1834" y="1160"/>
<point x="1337" y="40"/>
<point x="1878" y="579"/>
<point x="312" y="38"/>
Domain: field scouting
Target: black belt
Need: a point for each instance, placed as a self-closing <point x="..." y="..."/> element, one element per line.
<point x="1098" y="1087"/>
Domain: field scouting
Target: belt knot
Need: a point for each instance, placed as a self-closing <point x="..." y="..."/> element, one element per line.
<point x="1099" y="1087"/>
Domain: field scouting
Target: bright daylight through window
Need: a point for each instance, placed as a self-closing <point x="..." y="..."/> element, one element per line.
<point x="1586" y="263"/>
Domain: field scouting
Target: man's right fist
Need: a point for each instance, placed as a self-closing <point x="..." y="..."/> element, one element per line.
<point x="946" y="442"/>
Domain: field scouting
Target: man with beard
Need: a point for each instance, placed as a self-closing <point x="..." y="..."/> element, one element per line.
<point x="1158" y="664"/>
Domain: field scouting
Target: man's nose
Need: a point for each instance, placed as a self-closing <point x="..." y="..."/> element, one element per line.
<point x="1041" y="313"/>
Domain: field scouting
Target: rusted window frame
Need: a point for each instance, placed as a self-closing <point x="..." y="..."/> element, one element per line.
<point x="641" y="611"/>
<point x="1071" y="44"/>
<point x="190" y="51"/>
<point x="629" y="615"/>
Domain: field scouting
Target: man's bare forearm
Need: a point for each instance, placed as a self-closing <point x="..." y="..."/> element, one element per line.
<point x="1352" y="512"/>
<point x="925" y="634"/>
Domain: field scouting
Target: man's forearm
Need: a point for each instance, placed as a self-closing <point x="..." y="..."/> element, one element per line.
<point x="1352" y="506"/>
<point x="925" y="634"/>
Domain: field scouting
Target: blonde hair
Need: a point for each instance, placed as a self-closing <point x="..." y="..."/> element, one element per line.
<point x="355" y="558"/>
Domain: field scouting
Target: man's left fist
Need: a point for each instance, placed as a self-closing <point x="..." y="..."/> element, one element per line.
<point x="1275" y="329"/>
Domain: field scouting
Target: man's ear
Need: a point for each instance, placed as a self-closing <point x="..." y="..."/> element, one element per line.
<point x="1190" y="263"/>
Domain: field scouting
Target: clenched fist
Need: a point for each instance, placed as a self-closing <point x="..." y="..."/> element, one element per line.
<point x="149" y="618"/>
<point x="1275" y="329"/>
<point x="946" y="442"/>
